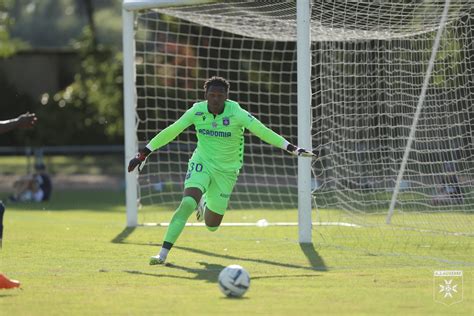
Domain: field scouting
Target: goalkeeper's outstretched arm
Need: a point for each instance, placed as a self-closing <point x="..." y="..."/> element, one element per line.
<point x="161" y="139"/>
<point x="267" y="135"/>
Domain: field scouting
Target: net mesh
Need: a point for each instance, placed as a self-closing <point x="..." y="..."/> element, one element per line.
<point x="369" y="63"/>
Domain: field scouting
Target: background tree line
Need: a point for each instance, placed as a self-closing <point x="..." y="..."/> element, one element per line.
<point x="89" y="109"/>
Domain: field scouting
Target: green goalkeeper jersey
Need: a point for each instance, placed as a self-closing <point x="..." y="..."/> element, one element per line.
<point x="220" y="137"/>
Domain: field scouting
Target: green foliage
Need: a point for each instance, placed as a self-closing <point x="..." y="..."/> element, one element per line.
<point x="54" y="23"/>
<point x="47" y="23"/>
<point x="8" y="45"/>
<point x="88" y="111"/>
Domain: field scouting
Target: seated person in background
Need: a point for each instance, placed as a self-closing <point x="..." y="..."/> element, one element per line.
<point x="33" y="188"/>
<point x="450" y="191"/>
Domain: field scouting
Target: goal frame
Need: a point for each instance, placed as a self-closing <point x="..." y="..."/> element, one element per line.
<point x="129" y="8"/>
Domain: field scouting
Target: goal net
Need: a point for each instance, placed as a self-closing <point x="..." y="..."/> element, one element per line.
<point x="392" y="111"/>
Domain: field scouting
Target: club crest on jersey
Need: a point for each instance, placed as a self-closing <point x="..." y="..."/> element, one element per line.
<point x="214" y="124"/>
<point x="225" y="121"/>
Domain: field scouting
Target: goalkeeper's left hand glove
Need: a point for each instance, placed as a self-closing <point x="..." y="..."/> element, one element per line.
<point x="297" y="151"/>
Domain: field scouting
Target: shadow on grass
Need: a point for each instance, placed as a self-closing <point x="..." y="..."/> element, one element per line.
<point x="263" y="261"/>
<point x="209" y="272"/>
<point x="315" y="260"/>
<point x="123" y="235"/>
<point x="294" y="276"/>
<point x="9" y="294"/>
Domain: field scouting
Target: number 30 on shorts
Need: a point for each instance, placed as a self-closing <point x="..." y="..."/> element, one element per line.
<point x="195" y="167"/>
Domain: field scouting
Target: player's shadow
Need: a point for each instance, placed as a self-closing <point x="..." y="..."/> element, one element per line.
<point x="316" y="262"/>
<point x="9" y="294"/>
<point x="289" y="276"/>
<point x="208" y="273"/>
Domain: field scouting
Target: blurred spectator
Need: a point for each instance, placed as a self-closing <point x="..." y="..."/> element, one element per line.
<point x="180" y="68"/>
<point x="450" y="191"/>
<point x="33" y="188"/>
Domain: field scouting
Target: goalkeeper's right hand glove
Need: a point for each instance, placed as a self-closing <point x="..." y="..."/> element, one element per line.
<point x="138" y="160"/>
<point x="297" y="151"/>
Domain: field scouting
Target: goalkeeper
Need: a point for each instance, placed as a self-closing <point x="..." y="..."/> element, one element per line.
<point x="214" y="166"/>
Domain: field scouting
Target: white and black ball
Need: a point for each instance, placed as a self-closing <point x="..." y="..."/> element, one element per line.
<point x="234" y="281"/>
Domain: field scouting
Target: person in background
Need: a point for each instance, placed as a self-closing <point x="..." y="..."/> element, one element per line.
<point x="450" y="191"/>
<point x="33" y="188"/>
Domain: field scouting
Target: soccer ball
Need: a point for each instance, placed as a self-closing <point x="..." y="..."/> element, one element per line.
<point x="234" y="281"/>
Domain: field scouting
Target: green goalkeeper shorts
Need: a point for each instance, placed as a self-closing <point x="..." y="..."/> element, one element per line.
<point x="216" y="185"/>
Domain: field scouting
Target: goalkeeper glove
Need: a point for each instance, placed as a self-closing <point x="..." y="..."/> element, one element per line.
<point x="297" y="151"/>
<point x="138" y="160"/>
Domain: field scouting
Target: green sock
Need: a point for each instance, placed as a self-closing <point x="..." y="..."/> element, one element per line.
<point x="180" y="217"/>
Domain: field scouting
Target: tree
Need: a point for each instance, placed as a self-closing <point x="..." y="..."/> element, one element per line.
<point x="8" y="45"/>
<point x="89" y="110"/>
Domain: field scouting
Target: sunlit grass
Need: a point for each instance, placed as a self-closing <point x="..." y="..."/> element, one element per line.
<point x="74" y="256"/>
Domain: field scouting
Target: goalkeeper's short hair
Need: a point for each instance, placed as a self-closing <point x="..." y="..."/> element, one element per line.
<point x="216" y="81"/>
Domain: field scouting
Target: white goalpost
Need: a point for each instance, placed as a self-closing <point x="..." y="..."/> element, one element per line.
<point x="304" y="107"/>
<point x="383" y="90"/>
<point x="303" y="49"/>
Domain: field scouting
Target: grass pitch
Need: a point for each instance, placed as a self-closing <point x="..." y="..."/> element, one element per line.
<point x="74" y="257"/>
